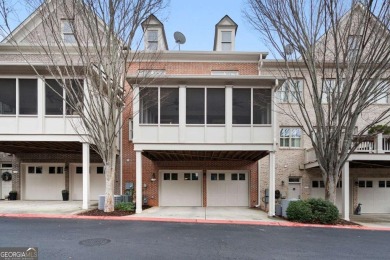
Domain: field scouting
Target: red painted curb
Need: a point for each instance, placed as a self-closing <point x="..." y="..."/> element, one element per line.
<point x="200" y="221"/>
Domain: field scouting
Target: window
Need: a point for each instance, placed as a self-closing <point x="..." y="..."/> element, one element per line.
<point x="261" y="106"/>
<point x="68" y="31"/>
<point x="38" y="169"/>
<point x="52" y="170"/>
<point x="170" y="176"/>
<point x="242" y="106"/>
<point x="294" y="180"/>
<point x="214" y="177"/>
<point x="317" y="184"/>
<point x="131" y="129"/>
<point x="234" y="177"/>
<point x="74" y="96"/>
<point x="149" y="106"/>
<point x="54" y="97"/>
<point x="384" y="97"/>
<point x="169" y="106"/>
<point x="191" y="176"/>
<point x="79" y="170"/>
<point x="28" y="97"/>
<point x="241" y="177"/>
<point x="6" y="165"/>
<point x="290" y="137"/>
<point x="8" y="96"/>
<point x="331" y="90"/>
<point x="167" y="176"/>
<point x="152" y="37"/>
<point x="58" y="170"/>
<point x="99" y="170"/>
<point x="226" y="43"/>
<point x="365" y="184"/>
<point x="290" y="91"/>
<point x="382" y="184"/>
<point x="217" y="176"/>
<point x="215" y="105"/>
<point x="195" y="105"/>
<point x="174" y="176"/>
<point x="221" y="176"/>
<point x="353" y="46"/>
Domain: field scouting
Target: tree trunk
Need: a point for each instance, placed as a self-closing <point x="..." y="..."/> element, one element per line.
<point x="109" y="171"/>
<point x="330" y="188"/>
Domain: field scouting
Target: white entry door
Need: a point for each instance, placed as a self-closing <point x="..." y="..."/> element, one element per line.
<point x="227" y="188"/>
<point x="181" y="188"/>
<point x="97" y="181"/>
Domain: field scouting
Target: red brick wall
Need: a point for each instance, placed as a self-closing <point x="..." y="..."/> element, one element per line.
<point x="195" y="68"/>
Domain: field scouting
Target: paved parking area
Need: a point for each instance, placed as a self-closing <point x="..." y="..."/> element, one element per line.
<point x="41" y="207"/>
<point x="208" y="213"/>
<point x="372" y="220"/>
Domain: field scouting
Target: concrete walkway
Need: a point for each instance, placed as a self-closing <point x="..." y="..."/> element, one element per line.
<point x="42" y="207"/>
<point x="208" y="213"/>
<point x="372" y="220"/>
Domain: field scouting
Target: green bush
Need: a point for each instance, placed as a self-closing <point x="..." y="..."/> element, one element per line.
<point x="324" y="212"/>
<point x="125" y="206"/>
<point x="299" y="211"/>
<point x="313" y="211"/>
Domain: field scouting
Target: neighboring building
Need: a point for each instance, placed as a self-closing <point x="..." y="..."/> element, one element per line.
<point x="36" y="125"/>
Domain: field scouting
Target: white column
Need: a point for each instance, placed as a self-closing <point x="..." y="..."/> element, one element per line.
<point x="345" y="188"/>
<point x="258" y="183"/>
<point x="182" y="113"/>
<point x="86" y="195"/>
<point x="271" y="205"/>
<point x="379" y="143"/>
<point x="138" y="181"/>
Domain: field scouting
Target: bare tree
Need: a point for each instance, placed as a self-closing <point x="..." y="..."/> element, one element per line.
<point x="340" y="50"/>
<point x="87" y="46"/>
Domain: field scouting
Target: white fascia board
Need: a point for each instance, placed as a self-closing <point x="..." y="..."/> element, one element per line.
<point x="40" y="138"/>
<point x="203" y="147"/>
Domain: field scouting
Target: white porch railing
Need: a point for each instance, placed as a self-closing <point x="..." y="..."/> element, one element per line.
<point x="367" y="144"/>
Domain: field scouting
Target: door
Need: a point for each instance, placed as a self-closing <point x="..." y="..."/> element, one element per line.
<point x="97" y="182"/>
<point x="294" y="190"/>
<point x="181" y="188"/>
<point x="374" y="195"/>
<point x="227" y="188"/>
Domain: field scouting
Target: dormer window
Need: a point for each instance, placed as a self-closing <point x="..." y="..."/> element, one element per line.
<point x="68" y="31"/>
<point x="152" y="37"/>
<point x="226" y="43"/>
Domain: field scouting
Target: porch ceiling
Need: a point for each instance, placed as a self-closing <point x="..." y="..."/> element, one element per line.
<point x="204" y="155"/>
<point x="369" y="164"/>
<point x="40" y="147"/>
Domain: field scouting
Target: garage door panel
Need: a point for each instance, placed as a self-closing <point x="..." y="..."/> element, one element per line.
<point x="42" y="185"/>
<point x="374" y="195"/>
<point x="226" y="188"/>
<point x="181" y="188"/>
<point x="97" y="182"/>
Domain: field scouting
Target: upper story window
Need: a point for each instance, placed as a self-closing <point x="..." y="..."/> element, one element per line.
<point x="213" y="110"/>
<point x="8" y="96"/>
<point x="27" y="89"/>
<point x="163" y="101"/>
<point x="290" y="91"/>
<point x="251" y="106"/>
<point x="225" y="72"/>
<point x="384" y="98"/>
<point x="290" y="137"/>
<point x="68" y="31"/>
<point x="226" y="40"/>
<point x="331" y="90"/>
<point x="353" y="46"/>
<point x="152" y="40"/>
<point x="56" y="95"/>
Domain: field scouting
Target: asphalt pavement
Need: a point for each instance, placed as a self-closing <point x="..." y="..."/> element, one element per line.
<point x="105" y="239"/>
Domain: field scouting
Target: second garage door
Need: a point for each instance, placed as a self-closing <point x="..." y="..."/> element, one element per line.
<point x="181" y="188"/>
<point x="97" y="182"/>
<point x="227" y="188"/>
<point x="374" y="195"/>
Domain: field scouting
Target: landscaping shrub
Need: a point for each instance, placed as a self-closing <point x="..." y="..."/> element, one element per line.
<point x="124" y="206"/>
<point x="324" y="212"/>
<point x="299" y="211"/>
<point x="312" y="211"/>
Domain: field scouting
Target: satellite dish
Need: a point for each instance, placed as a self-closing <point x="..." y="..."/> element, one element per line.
<point x="179" y="38"/>
<point x="288" y="49"/>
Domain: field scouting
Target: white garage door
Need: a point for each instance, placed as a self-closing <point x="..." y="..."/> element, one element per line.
<point x="227" y="188"/>
<point x="44" y="182"/>
<point x="181" y="188"/>
<point x="318" y="192"/>
<point x="97" y="182"/>
<point x="374" y="195"/>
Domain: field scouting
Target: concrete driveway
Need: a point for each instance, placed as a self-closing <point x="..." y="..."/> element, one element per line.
<point x="41" y="207"/>
<point x="372" y="220"/>
<point x="207" y="213"/>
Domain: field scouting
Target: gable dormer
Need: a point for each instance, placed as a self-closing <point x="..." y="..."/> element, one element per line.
<point x="154" y="34"/>
<point x="225" y="34"/>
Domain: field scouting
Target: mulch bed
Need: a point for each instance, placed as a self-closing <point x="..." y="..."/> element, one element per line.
<point x="117" y="213"/>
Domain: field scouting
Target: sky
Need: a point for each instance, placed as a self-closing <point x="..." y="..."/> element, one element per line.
<point x="196" y="19"/>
